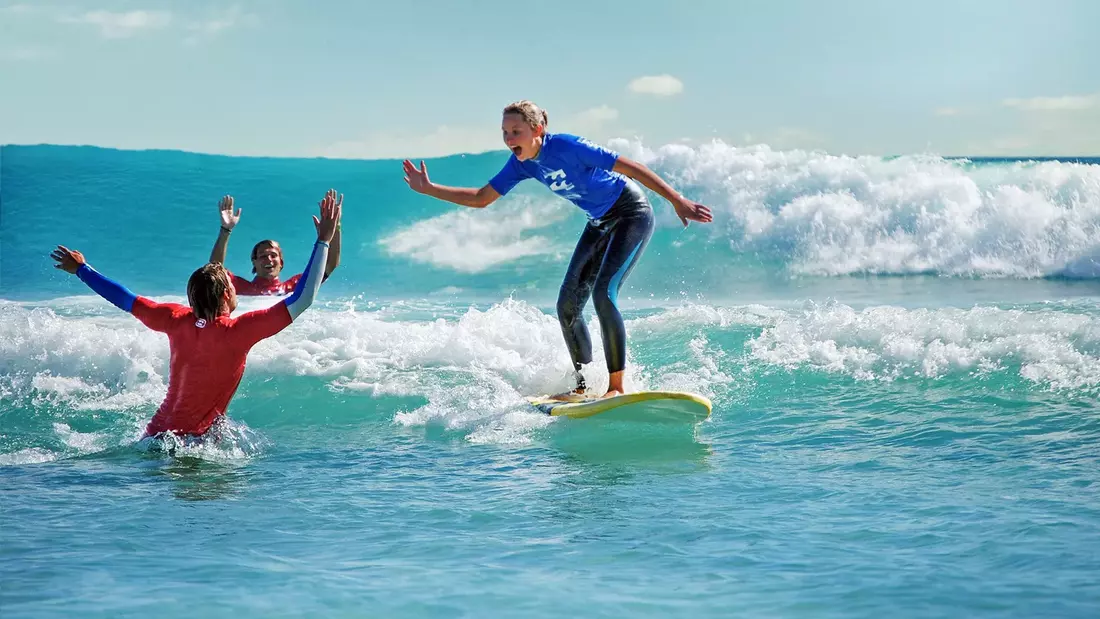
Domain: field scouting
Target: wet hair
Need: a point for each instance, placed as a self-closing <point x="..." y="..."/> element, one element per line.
<point x="266" y="243"/>
<point x="531" y="113"/>
<point x="206" y="290"/>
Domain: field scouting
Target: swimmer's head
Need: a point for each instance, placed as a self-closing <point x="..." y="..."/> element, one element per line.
<point x="210" y="292"/>
<point x="523" y="125"/>
<point x="267" y="259"/>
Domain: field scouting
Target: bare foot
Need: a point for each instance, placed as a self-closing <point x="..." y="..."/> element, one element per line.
<point x="612" y="393"/>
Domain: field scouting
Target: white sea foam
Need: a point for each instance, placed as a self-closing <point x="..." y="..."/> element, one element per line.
<point x="477" y="240"/>
<point x="836" y="215"/>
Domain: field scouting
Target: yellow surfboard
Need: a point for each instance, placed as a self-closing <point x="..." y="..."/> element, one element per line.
<point x="641" y="406"/>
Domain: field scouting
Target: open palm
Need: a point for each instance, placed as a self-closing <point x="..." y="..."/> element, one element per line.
<point x="225" y="207"/>
<point x="688" y="210"/>
<point x="330" y="209"/>
<point x="68" y="260"/>
<point x="417" y="179"/>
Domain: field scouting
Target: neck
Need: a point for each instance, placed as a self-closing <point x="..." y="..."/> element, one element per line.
<point x="538" y="146"/>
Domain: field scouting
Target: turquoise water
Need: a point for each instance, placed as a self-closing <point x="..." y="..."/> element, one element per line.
<point x="903" y="355"/>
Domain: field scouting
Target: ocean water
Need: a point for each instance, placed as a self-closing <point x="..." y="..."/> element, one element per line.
<point x="903" y="355"/>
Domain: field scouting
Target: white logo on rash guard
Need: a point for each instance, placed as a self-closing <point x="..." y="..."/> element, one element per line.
<point x="200" y="323"/>
<point x="562" y="185"/>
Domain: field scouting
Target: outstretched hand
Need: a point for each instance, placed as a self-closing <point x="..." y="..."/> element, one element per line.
<point x="688" y="210"/>
<point x="417" y="179"/>
<point x="225" y="207"/>
<point x="68" y="260"/>
<point x="330" y="208"/>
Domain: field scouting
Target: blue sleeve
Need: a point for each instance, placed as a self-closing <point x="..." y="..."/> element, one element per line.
<point x="587" y="152"/>
<point x="508" y="177"/>
<point x="309" y="283"/>
<point x="107" y="288"/>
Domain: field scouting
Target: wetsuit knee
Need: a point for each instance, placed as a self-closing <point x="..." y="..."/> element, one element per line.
<point x="603" y="298"/>
<point x="569" y="306"/>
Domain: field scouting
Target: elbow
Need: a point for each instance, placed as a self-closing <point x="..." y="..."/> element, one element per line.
<point x="329" y="270"/>
<point x="629" y="167"/>
<point x="482" y="199"/>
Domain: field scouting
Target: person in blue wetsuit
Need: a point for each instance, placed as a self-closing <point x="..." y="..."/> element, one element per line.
<point x="600" y="182"/>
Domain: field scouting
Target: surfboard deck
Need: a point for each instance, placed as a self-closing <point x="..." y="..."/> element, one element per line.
<point x="641" y="406"/>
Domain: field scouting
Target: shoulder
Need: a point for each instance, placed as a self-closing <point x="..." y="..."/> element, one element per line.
<point x="514" y="167"/>
<point x="558" y="140"/>
<point x="569" y="143"/>
<point x="243" y="286"/>
<point x="160" y="315"/>
<point x="514" y="164"/>
<point x="146" y="304"/>
<point x="554" y="141"/>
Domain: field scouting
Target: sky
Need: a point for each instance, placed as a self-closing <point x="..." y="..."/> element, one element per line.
<point x="417" y="78"/>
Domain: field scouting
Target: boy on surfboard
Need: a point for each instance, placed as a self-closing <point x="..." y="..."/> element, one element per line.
<point x="600" y="182"/>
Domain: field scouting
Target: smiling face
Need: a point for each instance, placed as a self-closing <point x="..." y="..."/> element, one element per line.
<point x="267" y="259"/>
<point x="520" y="137"/>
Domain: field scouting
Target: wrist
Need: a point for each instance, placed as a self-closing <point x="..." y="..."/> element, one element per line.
<point x="227" y="230"/>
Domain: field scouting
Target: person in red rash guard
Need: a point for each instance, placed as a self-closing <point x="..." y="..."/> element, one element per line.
<point x="267" y="258"/>
<point x="208" y="347"/>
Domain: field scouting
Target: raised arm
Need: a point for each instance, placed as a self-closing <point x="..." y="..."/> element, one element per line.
<point x="685" y="209"/>
<point x="310" y="282"/>
<point x="72" y="261"/>
<point x="417" y="179"/>
<point x="229" y="220"/>
<point x="334" y="246"/>
<point x="156" y="316"/>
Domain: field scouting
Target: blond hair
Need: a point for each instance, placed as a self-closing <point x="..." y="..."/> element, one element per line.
<point x="531" y="113"/>
<point x="206" y="289"/>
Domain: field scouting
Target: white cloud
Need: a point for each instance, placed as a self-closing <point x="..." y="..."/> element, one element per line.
<point x="948" y="111"/>
<point x="795" y="137"/>
<point x="441" y="142"/>
<point x="597" y="115"/>
<point x="214" y="26"/>
<point x="1045" y="135"/>
<point x="17" y="9"/>
<point x="594" y="123"/>
<point x="217" y="24"/>
<point x="659" y="85"/>
<point x="123" y="25"/>
<point x="1055" y="104"/>
<point x="444" y="140"/>
<point x="476" y="240"/>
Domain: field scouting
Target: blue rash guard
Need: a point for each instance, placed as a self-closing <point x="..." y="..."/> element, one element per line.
<point x="573" y="168"/>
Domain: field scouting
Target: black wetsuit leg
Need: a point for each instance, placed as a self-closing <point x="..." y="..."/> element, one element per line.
<point x="605" y="254"/>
